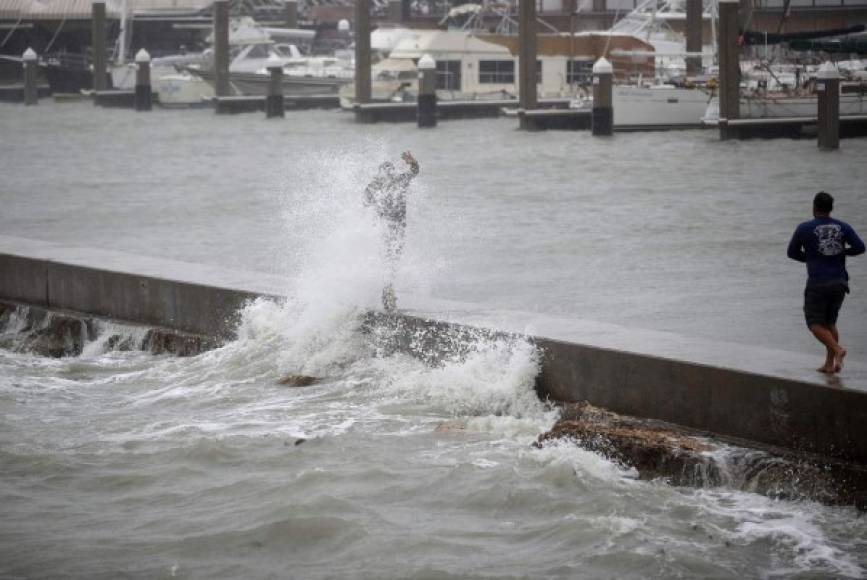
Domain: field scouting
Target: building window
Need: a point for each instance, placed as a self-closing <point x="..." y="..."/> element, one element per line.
<point x="579" y="72"/>
<point x="497" y="72"/>
<point x="538" y="72"/>
<point x="449" y="75"/>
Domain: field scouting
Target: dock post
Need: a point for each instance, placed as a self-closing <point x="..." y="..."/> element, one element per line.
<point x="31" y="93"/>
<point x="427" y="94"/>
<point x="828" y="90"/>
<point x="291" y="13"/>
<point x="729" y="66"/>
<point x="143" y="81"/>
<point x="274" y="105"/>
<point x="602" y="119"/>
<point x="362" y="54"/>
<point x="395" y="11"/>
<point x="221" y="48"/>
<point x="344" y="33"/>
<point x="527" y="57"/>
<point x="97" y="34"/>
<point x="694" y="34"/>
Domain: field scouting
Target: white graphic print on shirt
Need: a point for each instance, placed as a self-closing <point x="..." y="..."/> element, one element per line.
<point x="830" y="238"/>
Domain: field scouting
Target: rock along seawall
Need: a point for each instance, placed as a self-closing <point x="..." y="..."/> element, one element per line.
<point x="801" y="414"/>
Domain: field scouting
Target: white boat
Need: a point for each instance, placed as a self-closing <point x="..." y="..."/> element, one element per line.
<point x="478" y="65"/>
<point x="651" y="21"/>
<point x="302" y="75"/>
<point x="784" y="106"/>
<point x="658" y="107"/>
<point x="178" y="79"/>
<point x="182" y="89"/>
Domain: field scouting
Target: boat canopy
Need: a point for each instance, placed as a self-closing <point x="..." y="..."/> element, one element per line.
<point x="753" y="37"/>
<point x="840" y="46"/>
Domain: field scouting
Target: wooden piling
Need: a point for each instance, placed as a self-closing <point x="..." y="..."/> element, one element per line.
<point x="31" y="93"/>
<point x="694" y="28"/>
<point x="291" y="8"/>
<point x="427" y="96"/>
<point x="274" y="105"/>
<point x="828" y="90"/>
<point x="527" y="55"/>
<point x="395" y="11"/>
<point x="362" y="51"/>
<point x="729" y="66"/>
<point x="221" y="48"/>
<point x="143" y="81"/>
<point x="602" y="119"/>
<point x="97" y="30"/>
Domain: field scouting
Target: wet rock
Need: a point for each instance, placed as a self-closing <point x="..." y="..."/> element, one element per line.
<point x="40" y="331"/>
<point x="121" y="343"/>
<point x="682" y="457"/>
<point x="161" y="341"/>
<point x="25" y="328"/>
<point x="654" y="449"/>
<point x="298" y="381"/>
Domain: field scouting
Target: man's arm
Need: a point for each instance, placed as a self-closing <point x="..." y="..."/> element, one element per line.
<point x="413" y="165"/>
<point x="370" y="192"/>
<point x="796" y="249"/>
<point x="856" y="244"/>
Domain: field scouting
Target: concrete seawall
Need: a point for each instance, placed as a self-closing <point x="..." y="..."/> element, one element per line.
<point x="752" y="394"/>
<point x="186" y="297"/>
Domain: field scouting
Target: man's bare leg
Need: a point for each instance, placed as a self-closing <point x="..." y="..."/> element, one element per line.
<point x="389" y="299"/>
<point x="838" y="359"/>
<point x="835" y="352"/>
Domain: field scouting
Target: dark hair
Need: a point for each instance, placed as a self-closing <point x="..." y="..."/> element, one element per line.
<point x="823" y="202"/>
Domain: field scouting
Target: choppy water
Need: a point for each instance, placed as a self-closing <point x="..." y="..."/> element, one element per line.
<point x="125" y="464"/>
<point x="670" y="231"/>
<point x="130" y="465"/>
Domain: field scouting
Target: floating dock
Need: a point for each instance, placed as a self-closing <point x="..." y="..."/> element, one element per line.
<point x="473" y="109"/>
<point x="252" y="104"/>
<point x="114" y="99"/>
<point x="793" y="127"/>
<point x="552" y="119"/>
<point x="15" y="93"/>
<point x="746" y="394"/>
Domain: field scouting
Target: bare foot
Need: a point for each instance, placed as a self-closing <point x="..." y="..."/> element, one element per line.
<point x="828" y="367"/>
<point x="838" y="360"/>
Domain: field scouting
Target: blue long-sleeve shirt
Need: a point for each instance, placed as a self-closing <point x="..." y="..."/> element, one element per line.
<point x="823" y="243"/>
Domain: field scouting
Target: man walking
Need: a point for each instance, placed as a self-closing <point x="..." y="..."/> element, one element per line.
<point x="387" y="195"/>
<point x="823" y="243"/>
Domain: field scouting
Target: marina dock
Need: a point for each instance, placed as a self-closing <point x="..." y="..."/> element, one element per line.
<point x="791" y="127"/>
<point x="252" y="104"/>
<point x="557" y="118"/>
<point x="14" y="93"/>
<point x="473" y="109"/>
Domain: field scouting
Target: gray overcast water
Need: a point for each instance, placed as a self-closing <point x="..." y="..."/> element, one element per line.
<point x="129" y="465"/>
<point x="670" y="231"/>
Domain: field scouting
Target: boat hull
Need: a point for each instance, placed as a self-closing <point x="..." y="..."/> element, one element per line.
<point x="787" y="107"/>
<point x="255" y="84"/>
<point x="182" y="90"/>
<point x="658" y="107"/>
